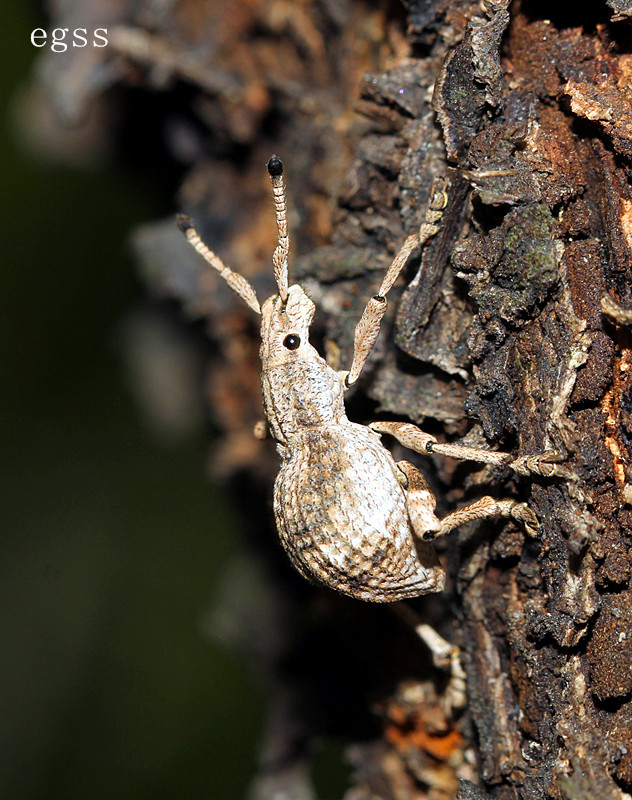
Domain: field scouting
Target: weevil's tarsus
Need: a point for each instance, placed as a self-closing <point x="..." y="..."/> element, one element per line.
<point x="547" y="464"/>
<point x="282" y="250"/>
<point x="237" y="282"/>
<point x="438" y="200"/>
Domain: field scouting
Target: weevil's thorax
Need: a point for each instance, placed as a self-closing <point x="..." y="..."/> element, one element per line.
<point x="300" y="390"/>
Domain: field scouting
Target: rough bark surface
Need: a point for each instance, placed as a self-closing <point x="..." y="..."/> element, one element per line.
<point x="512" y="330"/>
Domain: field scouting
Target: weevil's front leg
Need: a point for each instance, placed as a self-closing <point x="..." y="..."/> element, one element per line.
<point x="368" y="327"/>
<point x="545" y="464"/>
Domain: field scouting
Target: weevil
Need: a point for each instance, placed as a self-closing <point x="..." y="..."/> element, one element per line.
<point x="349" y="516"/>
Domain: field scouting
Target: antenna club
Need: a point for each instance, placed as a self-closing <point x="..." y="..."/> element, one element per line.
<point x="184" y="222"/>
<point x="275" y="167"/>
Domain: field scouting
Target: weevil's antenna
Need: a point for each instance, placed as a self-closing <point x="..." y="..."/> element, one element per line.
<point x="237" y="283"/>
<point x="282" y="250"/>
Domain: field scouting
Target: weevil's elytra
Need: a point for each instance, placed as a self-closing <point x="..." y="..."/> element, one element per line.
<point x="364" y="549"/>
<point x="348" y="515"/>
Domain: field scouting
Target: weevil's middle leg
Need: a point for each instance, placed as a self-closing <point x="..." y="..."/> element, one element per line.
<point x="368" y="327"/>
<point x="545" y="463"/>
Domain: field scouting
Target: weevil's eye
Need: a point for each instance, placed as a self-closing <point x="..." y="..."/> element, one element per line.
<point x="292" y="341"/>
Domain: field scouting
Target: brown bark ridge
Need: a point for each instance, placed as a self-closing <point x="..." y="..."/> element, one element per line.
<point x="512" y="331"/>
<point x="527" y="287"/>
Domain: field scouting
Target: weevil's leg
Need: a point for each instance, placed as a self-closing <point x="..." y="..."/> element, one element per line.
<point x="421" y="505"/>
<point x="420" y="502"/>
<point x="445" y="656"/>
<point x="260" y="430"/>
<point x="545" y="464"/>
<point x="484" y="508"/>
<point x="368" y="327"/>
<point x="237" y="283"/>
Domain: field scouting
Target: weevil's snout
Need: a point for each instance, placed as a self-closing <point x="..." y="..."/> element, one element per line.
<point x="285" y="326"/>
<point x="296" y="312"/>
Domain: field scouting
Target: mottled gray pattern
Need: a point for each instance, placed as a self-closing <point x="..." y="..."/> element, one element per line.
<point x="339" y="505"/>
<point x="341" y="514"/>
<point x="307" y="394"/>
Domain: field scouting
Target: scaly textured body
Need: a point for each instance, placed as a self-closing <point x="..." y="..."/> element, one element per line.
<point x="339" y="502"/>
<point x="364" y="549"/>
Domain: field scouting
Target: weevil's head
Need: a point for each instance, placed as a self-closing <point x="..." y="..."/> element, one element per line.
<point x="285" y="327"/>
<point x="300" y="390"/>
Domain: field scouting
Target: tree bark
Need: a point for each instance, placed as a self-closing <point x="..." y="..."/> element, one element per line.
<point x="525" y="291"/>
<point x="512" y="331"/>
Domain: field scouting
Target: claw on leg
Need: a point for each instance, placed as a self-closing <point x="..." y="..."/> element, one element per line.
<point x="545" y="464"/>
<point x="523" y="514"/>
<point x="482" y="509"/>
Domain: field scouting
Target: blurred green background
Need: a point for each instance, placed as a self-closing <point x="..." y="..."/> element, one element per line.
<point x="110" y="543"/>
